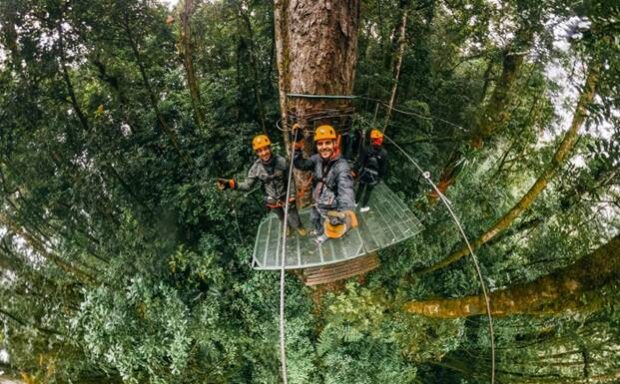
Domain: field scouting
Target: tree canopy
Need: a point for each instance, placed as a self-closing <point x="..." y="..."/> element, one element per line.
<point x="120" y="262"/>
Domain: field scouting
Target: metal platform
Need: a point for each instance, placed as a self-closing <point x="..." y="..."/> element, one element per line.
<point x="388" y="222"/>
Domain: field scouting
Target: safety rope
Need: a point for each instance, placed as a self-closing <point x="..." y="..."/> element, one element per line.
<point x="447" y="203"/>
<point x="282" y="269"/>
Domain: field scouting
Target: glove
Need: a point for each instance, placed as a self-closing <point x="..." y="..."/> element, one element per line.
<point x="223" y="184"/>
<point x="296" y="133"/>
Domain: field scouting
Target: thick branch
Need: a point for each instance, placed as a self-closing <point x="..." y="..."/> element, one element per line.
<point x="526" y="201"/>
<point x="186" y="51"/>
<point x="399" y="62"/>
<point x="497" y="112"/>
<point x="556" y="292"/>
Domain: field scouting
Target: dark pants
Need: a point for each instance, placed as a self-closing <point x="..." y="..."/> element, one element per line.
<point x="363" y="194"/>
<point x="293" y="217"/>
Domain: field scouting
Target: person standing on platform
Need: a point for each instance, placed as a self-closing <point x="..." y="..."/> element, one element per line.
<point x="370" y="168"/>
<point x="271" y="170"/>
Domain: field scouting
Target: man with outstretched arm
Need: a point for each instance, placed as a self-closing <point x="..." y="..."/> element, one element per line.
<point x="271" y="170"/>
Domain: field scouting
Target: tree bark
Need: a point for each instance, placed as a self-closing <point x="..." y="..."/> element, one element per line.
<point x="560" y="156"/>
<point x="316" y="46"/>
<point x="553" y="293"/>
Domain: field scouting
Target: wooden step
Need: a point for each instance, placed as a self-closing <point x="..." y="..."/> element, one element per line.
<point x="339" y="271"/>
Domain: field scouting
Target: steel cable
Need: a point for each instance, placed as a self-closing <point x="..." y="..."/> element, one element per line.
<point x="447" y="203"/>
<point x="282" y="269"/>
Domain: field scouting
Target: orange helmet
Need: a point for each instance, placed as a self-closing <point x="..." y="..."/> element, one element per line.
<point x="260" y="141"/>
<point x="376" y="134"/>
<point x="376" y="137"/>
<point x="325" y="132"/>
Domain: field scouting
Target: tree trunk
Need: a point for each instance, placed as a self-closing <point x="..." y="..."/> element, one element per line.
<point x="553" y="293"/>
<point x="186" y="51"/>
<point x="245" y="19"/>
<point x="316" y="46"/>
<point x="152" y="97"/>
<point x="497" y="112"/>
<point x="84" y="120"/>
<point x="559" y="157"/>
<point x="399" y="62"/>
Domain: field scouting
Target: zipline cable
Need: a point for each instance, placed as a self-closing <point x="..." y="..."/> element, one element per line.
<point x="448" y="204"/>
<point x="282" y="270"/>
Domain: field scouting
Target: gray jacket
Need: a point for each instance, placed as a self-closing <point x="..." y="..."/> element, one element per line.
<point x="273" y="177"/>
<point x="332" y="183"/>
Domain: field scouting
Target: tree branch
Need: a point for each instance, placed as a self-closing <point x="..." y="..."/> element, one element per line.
<point x="560" y="156"/>
<point x="556" y="292"/>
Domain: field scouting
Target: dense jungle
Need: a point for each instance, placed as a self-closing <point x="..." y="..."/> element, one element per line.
<point x="121" y="262"/>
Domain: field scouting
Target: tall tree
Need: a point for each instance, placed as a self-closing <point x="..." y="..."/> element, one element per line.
<point x="561" y="155"/>
<point x="186" y="49"/>
<point x="316" y="46"/>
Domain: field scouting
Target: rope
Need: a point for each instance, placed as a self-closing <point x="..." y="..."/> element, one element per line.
<point x="282" y="270"/>
<point x="352" y="97"/>
<point x="447" y="203"/>
<point x="412" y="113"/>
<point x="306" y="96"/>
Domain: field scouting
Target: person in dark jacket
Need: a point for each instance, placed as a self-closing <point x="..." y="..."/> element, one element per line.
<point x="370" y="168"/>
<point x="332" y="184"/>
<point x="271" y="170"/>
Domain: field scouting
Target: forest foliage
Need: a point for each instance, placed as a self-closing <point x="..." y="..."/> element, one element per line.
<point x="121" y="262"/>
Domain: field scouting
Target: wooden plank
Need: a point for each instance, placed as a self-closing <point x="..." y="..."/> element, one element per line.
<point x="335" y="272"/>
<point x="333" y="267"/>
<point x="345" y="275"/>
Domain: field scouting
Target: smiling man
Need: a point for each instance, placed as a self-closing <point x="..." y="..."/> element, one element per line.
<point x="332" y="185"/>
<point x="271" y="170"/>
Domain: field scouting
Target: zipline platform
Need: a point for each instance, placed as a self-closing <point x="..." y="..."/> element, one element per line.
<point x="389" y="221"/>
